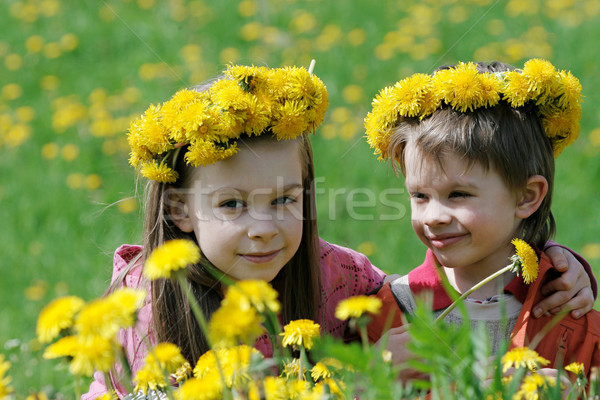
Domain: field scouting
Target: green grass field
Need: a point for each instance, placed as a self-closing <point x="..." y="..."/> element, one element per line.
<point x="74" y="73"/>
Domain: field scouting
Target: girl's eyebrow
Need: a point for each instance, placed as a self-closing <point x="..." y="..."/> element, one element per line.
<point x="285" y="188"/>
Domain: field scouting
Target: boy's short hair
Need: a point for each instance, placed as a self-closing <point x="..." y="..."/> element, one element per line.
<point x="511" y="141"/>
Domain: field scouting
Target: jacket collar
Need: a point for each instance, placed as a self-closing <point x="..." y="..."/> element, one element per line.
<point x="427" y="277"/>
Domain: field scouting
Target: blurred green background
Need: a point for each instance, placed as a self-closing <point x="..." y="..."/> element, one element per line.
<point x="74" y="73"/>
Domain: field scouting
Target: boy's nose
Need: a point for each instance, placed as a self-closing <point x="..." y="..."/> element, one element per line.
<point x="436" y="214"/>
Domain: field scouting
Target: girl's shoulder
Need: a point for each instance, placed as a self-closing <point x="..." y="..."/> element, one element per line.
<point x="127" y="265"/>
<point x="341" y="262"/>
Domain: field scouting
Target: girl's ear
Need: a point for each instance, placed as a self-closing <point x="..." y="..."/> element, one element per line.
<point x="179" y="211"/>
<point x="532" y="196"/>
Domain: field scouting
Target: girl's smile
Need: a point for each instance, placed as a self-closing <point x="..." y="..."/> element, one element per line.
<point x="262" y="257"/>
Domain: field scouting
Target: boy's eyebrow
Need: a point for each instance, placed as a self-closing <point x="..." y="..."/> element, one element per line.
<point x="285" y="188"/>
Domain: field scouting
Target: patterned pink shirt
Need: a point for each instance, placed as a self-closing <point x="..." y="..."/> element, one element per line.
<point x="345" y="273"/>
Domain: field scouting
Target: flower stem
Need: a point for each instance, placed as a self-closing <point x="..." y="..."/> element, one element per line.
<point x="203" y="325"/>
<point x="474" y="288"/>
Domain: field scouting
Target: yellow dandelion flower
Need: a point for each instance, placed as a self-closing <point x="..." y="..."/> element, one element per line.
<point x="258" y="117"/>
<point x="228" y="95"/>
<point x="377" y="132"/>
<point x="57" y="316"/>
<point x="188" y="120"/>
<point x="408" y="94"/>
<point x="97" y="354"/>
<point x="290" y="121"/>
<point x="246" y="76"/>
<point x="490" y="88"/>
<point x="127" y="302"/>
<point x="463" y="91"/>
<point x="205" y="152"/>
<point x="158" y="172"/>
<point x="252" y="293"/>
<point x="150" y="129"/>
<point x="275" y="388"/>
<point x="171" y="256"/>
<point x="562" y="126"/>
<point x="64" y="347"/>
<point x="569" y="90"/>
<point x="522" y="357"/>
<point x="322" y="102"/>
<point x="525" y="260"/>
<point x="298" y="389"/>
<point x="5" y="380"/>
<point x="301" y="87"/>
<point x="183" y="372"/>
<point x="230" y="325"/>
<point x="356" y="306"/>
<point x="86" y="356"/>
<point x="430" y="102"/>
<point x="149" y="377"/>
<point x="234" y="362"/>
<point x="577" y="368"/>
<point x="516" y="89"/>
<point x="231" y="123"/>
<point x="330" y="387"/>
<point x="199" y="389"/>
<point x="98" y="318"/>
<point x="166" y="355"/>
<point x="320" y="371"/>
<point x="533" y="385"/>
<point x="300" y="332"/>
<point x="542" y="77"/>
<point x="292" y="369"/>
<point x="104" y="317"/>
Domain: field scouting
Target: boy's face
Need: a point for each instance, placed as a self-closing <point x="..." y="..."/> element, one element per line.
<point x="246" y="211"/>
<point x="465" y="215"/>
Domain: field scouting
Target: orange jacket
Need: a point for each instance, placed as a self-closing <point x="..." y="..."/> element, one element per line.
<point x="568" y="341"/>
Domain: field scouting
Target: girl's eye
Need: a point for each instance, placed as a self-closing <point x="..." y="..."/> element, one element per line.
<point x="284" y="200"/>
<point x="232" y="203"/>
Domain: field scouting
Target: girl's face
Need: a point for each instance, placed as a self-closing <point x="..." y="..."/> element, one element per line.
<point x="246" y="211"/>
<point x="466" y="215"/>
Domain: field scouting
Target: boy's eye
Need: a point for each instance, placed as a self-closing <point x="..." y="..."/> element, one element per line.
<point x="417" y="195"/>
<point x="233" y="203"/>
<point x="459" y="194"/>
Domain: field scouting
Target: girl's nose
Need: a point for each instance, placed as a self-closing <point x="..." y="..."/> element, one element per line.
<point x="263" y="229"/>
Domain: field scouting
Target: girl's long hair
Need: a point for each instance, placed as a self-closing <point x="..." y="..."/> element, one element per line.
<point x="298" y="282"/>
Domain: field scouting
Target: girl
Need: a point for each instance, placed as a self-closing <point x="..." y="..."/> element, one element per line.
<point x="230" y="167"/>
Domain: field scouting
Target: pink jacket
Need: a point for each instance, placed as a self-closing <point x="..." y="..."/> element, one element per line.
<point x="345" y="273"/>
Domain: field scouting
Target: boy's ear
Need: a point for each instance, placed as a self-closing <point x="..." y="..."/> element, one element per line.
<point x="178" y="211"/>
<point x="532" y="196"/>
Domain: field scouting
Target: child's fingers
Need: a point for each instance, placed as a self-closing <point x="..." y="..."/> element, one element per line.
<point x="557" y="300"/>
<point x="561" y="258"/>
<point x="572" y="281"/>
<point x="581" y="303"/>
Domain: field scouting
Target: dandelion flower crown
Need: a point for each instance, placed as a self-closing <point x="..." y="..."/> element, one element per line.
<point x="283" y="102"/>
<point x="557" y="95"/>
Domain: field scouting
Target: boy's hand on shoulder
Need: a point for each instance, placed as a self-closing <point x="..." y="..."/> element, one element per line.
<point x="571" y="291"/>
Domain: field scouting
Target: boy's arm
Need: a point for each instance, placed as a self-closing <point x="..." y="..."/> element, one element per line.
<point x="575" y="289"/>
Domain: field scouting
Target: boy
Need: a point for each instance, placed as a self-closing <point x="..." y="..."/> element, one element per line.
<point x="476" y="144"/>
